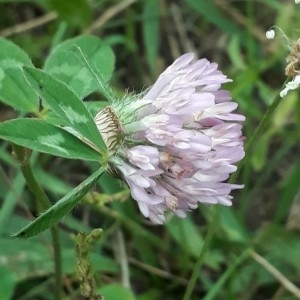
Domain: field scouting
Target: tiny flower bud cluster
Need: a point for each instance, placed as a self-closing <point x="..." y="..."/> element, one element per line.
<point x="176" y="144"/>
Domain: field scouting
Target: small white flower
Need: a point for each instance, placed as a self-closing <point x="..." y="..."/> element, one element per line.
<point x="291" y="85"/>
<point x="270" y="34"/>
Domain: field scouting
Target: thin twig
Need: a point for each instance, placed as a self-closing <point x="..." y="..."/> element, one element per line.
<point x="186" y="42"/>
<point x="135" y="227"/>
<point x="235" y="14"/>
<point x="108" y="14"/>
<point x="277" y="274"/>
<point x="28" y="25"/>
<point x="172" y="41"/>
<point x="123" y="259"/>
<point x="157" y="271"/>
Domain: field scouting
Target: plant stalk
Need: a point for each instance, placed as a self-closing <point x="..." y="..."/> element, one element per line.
<point x="253" y="138"/>
<point x="23" y="156"/>
<point x="195" y="275"/>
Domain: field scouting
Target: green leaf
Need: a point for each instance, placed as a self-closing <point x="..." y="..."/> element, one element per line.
<point x="103" y="86"/>
<point x="64" y="63"/>
<point x="260" y="155"/>
<point x="95" y="106"/>
<point x="56" y="212"/>
<point x="65" y="104"/>
<point x="233" y="266"/>
<point x="35" y="260"/>
<point x="8" y="282"/>
<point x="288" y="194"/>
<point x="14" y="90"/>
<point x="11" y="55"/>
<point x="185" y="233"/>
<point x="151" y="32"/>
<point x="92" y="106"/>
<point x="75" y="12"/>
<point x="10" y="200"/>
<point x="210" y="11"/>
<point x="50" y="182"/>
<point x="43" y="137"/>
<point x="235" y="53"/>
<point x="231" y="226"/>
<point x="116" y="291"/>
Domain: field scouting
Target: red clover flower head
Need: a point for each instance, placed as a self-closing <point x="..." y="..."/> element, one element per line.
<point x="177" y="143"/>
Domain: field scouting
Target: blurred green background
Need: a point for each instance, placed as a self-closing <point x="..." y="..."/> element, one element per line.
<point x="134" y="259"/>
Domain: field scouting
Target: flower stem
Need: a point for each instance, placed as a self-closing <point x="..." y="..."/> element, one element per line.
<point x="200" y="259"/>
<point x="43" y="201"/>
<point x="264" y="121"/>
<point x="222" y="280"/>
<point x="57" y="262"/>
